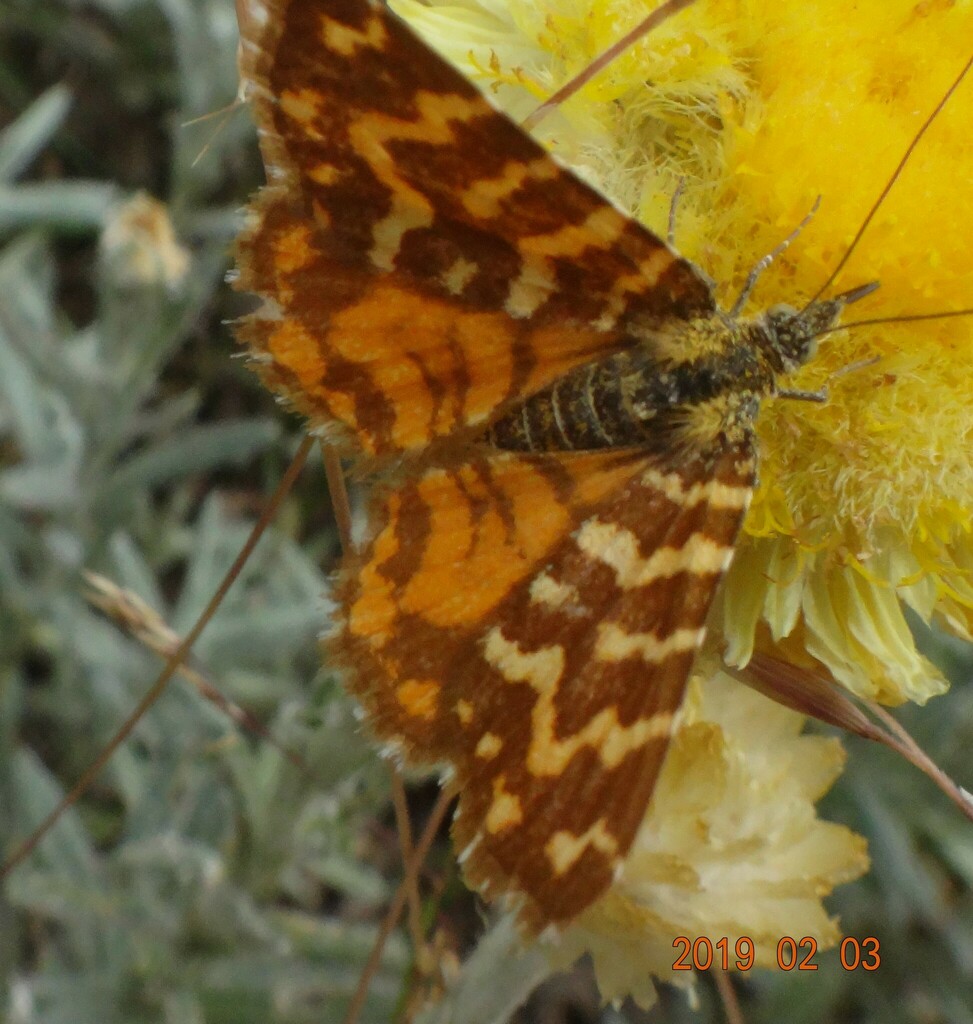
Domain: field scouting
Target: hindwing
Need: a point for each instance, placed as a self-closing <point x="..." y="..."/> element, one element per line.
<point x="532" y="621"/>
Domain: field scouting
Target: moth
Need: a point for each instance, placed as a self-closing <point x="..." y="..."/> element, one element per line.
<point x="557" y="418"/>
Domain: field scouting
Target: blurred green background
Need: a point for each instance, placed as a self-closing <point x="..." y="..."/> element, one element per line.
<point x="204" y="879"/>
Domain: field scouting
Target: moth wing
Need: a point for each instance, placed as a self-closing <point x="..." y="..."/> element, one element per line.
<point x="423" y="263"/>
<point x="532" y="621"/>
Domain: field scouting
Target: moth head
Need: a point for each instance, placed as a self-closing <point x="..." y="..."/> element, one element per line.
<point x="793" y="333"/>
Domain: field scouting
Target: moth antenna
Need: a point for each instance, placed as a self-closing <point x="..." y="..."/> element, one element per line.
<point x="646" y="25"/>
<point x="908" y="318"/>
<point x="896" y="174"/>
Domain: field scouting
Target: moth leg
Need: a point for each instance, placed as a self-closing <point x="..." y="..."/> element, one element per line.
<point x="762" y="264"/>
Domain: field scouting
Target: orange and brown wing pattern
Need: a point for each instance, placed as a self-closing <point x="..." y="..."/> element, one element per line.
<point x="532" y="620"/>
<point x="423" y="262"/>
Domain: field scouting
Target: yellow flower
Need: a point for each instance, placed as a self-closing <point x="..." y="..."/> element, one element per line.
<point x="864" y="504"/>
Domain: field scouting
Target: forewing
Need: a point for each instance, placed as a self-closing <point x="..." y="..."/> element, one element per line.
<point x="532" y="620"/>
<point x="423" y="261"/>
